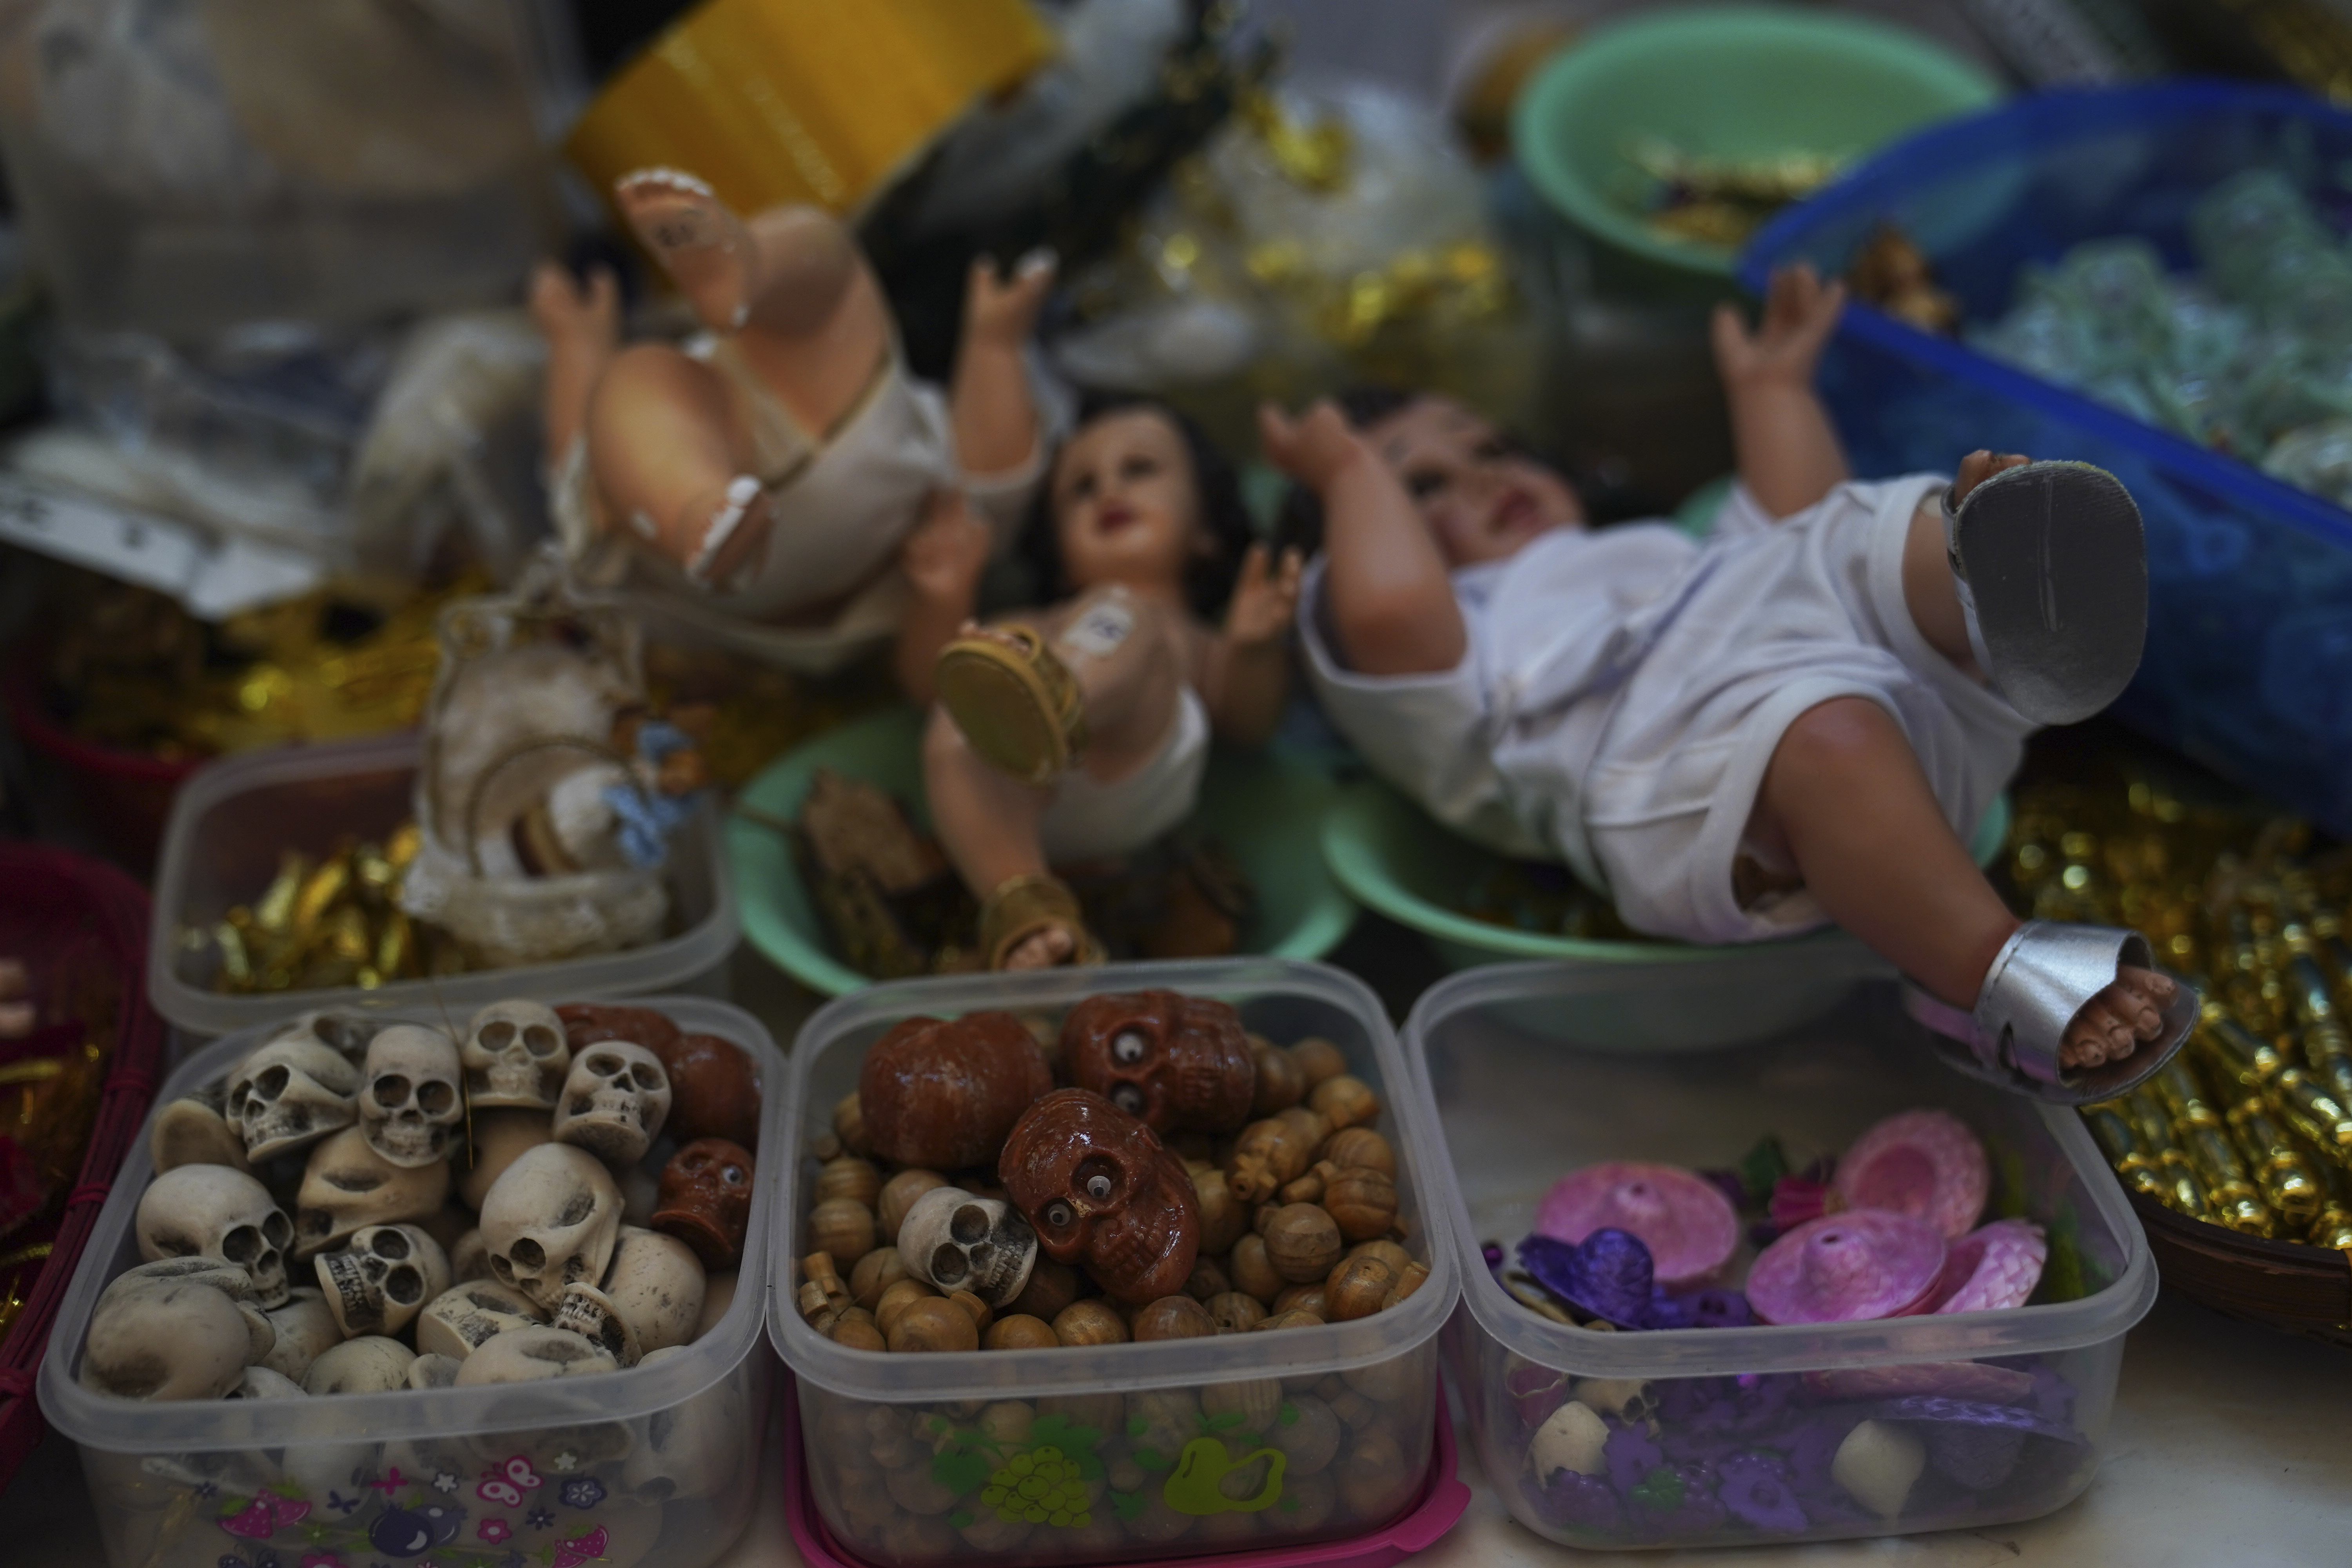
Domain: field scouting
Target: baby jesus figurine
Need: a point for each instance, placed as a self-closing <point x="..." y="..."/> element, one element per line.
<point x="1079" y="731"/>
<point x="770" y="469"/>
<point x="1795" y="722"/>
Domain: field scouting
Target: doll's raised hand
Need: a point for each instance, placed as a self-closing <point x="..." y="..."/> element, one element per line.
<point x="948" y="551"/>
<point x="1266" y="598"/>
<point x="1002" y="311"/>
<point x="1800" y="313"/>
<point x="1312" y="448"/>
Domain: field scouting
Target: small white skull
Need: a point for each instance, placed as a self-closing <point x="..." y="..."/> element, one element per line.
<point x="527" y="1355"/>
<point x="615" y="1101"/>
<point x="369" y="1364"/>
<point x="190" y="1132"/>
<point x="692" y="1449"/>
<point x="499" y="1137"/>
<point x="516" y="1056"/>
<point x="229" y="1279"/>
<point x="261" y="1383"/>
<point x="211" y="1211"/>
<point x="657" y="1283"/>
<point x="469" y="1259"/>
<point x="956" y="1241"/>
<point x="348" y="1184"/>
<point x="289" y="1094"/>
<point x="413" y="1100"/>
<point x="306" y="1330"/>
<point x="375" y="1285"/>
<point x="590" y="1313"/>
<point x="347" y="1034"/>
<point x="433" y="1371"/>
<point x="464" y="1318"/>
<point x="551" y="1220"/>
<point x="166" y="1338"/>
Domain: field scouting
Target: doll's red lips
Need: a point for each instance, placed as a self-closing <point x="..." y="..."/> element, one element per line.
<point x="1516" y="510"/>
<point x="1114" y="517"/>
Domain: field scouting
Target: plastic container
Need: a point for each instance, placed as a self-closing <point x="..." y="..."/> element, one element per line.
<point x="1521" y="1099"/>
<point x="1442" y="1500"/>
<point x="85" y="925"/>
<point x="2250" y="580"/>
<point x="234" y="819"/>
<point x="1126" y="1422"/>
<point x="1261" y="806"/>
<point x="659" y="1465"/>
<point x="1723" y="81"/>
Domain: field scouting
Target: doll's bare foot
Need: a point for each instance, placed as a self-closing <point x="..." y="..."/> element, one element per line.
<point x="2119" y="1020"/>
<point x="1041" y="950"/>
<point x="1979" y="466"/>
<point x="704" y="247"/>
<point x="582" y="324"/>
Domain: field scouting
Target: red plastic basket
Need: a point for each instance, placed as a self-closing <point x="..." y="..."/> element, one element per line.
<point x="56" y="910"/>
<point x="126" y="796"/>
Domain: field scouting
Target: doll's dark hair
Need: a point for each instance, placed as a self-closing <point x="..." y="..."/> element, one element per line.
<point x="1300" y="525"/>
<point x="1208" y="579"/>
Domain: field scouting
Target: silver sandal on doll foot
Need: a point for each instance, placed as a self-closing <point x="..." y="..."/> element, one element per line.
<point x="2051" y="569"/>
<point x="2043" y="975"/>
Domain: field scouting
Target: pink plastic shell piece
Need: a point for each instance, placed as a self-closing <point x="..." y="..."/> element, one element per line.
<point x="1840" y="1267"/>
<point x="1439" y="1507"/>
<point x="1926" y="1163"/>
<point x="1689" y="1226"/>
<point x="1992" y="1267"/>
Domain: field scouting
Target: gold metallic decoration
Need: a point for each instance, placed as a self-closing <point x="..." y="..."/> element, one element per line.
<point x="1722" y="201"/>
<point x="2111" y="1125"/>
<point x="334" y="922"/>
<point x="822" y="102"/>
<point x="2199" y="1130"/>
<point x="1315" y="154"/>
<point x="2184" y="1189"/>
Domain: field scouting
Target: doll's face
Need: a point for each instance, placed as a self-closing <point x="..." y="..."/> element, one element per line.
<point x="1125" y="506"/>
<point x="1482" y="498"/>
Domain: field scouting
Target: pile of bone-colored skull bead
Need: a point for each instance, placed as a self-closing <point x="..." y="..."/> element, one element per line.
<point x="551" y="1193"/>
<point x="1186" y="1179"/>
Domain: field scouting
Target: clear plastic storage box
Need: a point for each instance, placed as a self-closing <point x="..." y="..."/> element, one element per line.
<point x="1722" y="1437"/>
<point x="2250" y="580"/>
<point x="657" y="1465"/>
<point x="904" y="1448"/>
<point x="231" y="822"/>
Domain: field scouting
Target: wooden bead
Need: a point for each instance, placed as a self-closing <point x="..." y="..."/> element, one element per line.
<point x="898" y="1195"/>
<point x="848" y="1176"/>
<point x="981" y="1313"/>
<point x="1302" y="1243"/>
<point x="857" y="1330"/>
<point x="1223" y="1218"/>
<point x="932" y="1325"/>
<point x="1361" y="1202"/>
<point x="825" y="1146"/>
<point x="1252" y="1270"/>
<point x="1410" y="1280"/>
<point x="1318" y="1059"/>
<point x="1360" y="1146"/>
<point x="849" y="1124"/>
<point x="894" y="1299"/>
<point x="1346" y="1100"/>
<point x="1358" y="1288"/>
<point x="842" y="1229"/>
<point x="1294" y="1319"/>
<point x="1303" y="1298"/>
<point x="1387" y="1251"/>
<point x="1209" y="1279"/>
<point x="1052" y="1287"/>
<point x="1235" y="1313"/>
<point x="1374" y="1473"/>
<point x="1270" y="1155"/>
<point x="1172" y="1318"/>
<point x="1019" y="1333"/>
<point x="1089" y="1323"/>
<point x="1281" y="1083"/>
<point x="875" y="1273"/>
<point x="1256" y="1400"/>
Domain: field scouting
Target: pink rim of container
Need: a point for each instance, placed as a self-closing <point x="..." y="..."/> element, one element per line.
<point x="1440" y="1508"/>
<point x="1689" y="1226"/>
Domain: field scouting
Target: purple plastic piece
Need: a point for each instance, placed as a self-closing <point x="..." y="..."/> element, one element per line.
<point x="1977" y="1457"/>
<point x="1607" y="1274"/>
<point x="1757" y="1492"/>
<point x="1571" y="1502"/>
<point x="1689" y="1226"/>
<point x="1974" y="1413"/>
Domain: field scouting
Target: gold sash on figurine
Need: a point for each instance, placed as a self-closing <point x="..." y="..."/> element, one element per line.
<point x="824" y="102"/>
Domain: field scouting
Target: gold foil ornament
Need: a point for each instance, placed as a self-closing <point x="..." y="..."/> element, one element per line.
<point x="2198" y="1128"/>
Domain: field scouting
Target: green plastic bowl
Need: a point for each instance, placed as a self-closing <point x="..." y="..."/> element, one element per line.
<point x="1262" y="807"/>
<point x="1398" y="861"/>
<point x="1727" y="81"/>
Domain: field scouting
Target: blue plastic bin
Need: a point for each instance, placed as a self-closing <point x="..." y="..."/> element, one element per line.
<point x="2248" y="662"/>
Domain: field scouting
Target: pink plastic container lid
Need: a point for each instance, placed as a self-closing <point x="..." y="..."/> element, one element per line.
<point x="1418" y="1529"/>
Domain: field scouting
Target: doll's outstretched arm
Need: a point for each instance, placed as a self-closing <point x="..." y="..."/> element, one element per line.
<point x="943" y="559"/>
<point x="996" y="426"/>
<point x="1788" y="451"/>
<point x="1391" y="599"/>
<point x="1245" y="674"/>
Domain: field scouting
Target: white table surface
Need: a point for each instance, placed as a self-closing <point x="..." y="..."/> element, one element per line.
<point x="2231" y="1446"/>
